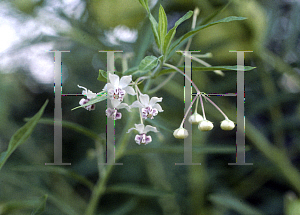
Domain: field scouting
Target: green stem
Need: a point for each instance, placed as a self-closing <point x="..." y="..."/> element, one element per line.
<point x="100" y="187"/>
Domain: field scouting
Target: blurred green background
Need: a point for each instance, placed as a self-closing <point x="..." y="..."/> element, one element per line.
<point x="149" y="182"/>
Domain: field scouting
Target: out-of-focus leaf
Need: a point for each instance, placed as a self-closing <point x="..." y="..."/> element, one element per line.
<point x="180" y="150"/>
<point x="41" y="206"/>
<point x="102" y="76"/>
<point x="234" y="204"/>
<point x="74" y="126"/>
<point x="144" y="3"/>
<point x="137" y="190"/>
<point x="21" y="135"/>
<point x="196" y="30"/>
<point x="194" y="69"/>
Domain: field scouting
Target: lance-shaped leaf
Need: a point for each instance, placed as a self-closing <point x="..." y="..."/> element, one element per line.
<point x="213" y="68"/>
<point x="21" y="135"/>
<point x="95" y="100"/>
<point x="162" y="27"/>
<point x="148" y="63"/>
<point x="144" y="3"/>
<point x="169" y="37"/>
<point x="154" y="26"/>
<point x="196" y="30"/>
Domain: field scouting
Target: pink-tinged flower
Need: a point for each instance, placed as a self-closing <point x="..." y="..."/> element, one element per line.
<point x="149" y="107"/>
<point x="113" y="112"/>
<point x="142" y="138"/>
<point x="90" y="95"/>
<point x="117" y="88"/>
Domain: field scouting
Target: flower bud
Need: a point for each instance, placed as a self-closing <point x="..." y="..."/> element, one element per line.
<point x="195" y="118"/>
<point x="227" y="125"/>
<point x="180" y="133"/>
<point x="205" y="125"/>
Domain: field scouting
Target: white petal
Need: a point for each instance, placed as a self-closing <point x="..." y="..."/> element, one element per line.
<point x="158" y="107"/>
<point x="105" y="88"/>
<point x="114" y="79"/>
<point x="124" y="105"/>
<point x="136" y="104"/>
<point x="144" y="98"/>
<point x="115" y="102"/>
<point x="125" y="80"/>
<point x="131" y="130"/>
<point x="150" y="128"/>
<point x="129" y="90"/>
<point x="140" y="128"/>
<point x="82" y="88"/>
<point x="154" y="100"/>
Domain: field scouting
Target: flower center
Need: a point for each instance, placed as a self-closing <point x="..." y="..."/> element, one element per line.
<point x="149" y="112"/>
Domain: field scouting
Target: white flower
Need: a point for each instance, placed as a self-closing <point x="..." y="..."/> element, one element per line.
<point x="90" y="95"/>
<point x="227" y="125"/>
<point x="195" y="118"/>
<point x="180" y="133"/>
<point x="113" y="112"/>
<point x="117" y="88"/>
<point x="142" y="137"/>
<point x="205" y="125"/>
<point x="149" y="107"/>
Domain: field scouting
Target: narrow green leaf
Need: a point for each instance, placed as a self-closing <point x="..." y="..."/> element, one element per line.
<point x="21" y="135"/>
<point x="154" y="26"/>
<point x="194" y="69"/>
<point x="162" y="27"/>
<point x="138" y="190"/>
<point x="144" y="3"/>
<point x="41" y="206"/>
<point x="196" y="30"/>
<point x="97" y="99"/>
<point x="102" y="76"/>
<point x="169" y="37"/>
<point x="71" y="125"/>
<point x="148" y="63"/>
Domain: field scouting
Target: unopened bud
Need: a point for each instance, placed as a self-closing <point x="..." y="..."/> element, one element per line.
<point x="180" y="133"/>
<point x="227" y="125"/>
<point x="205" y="125"/>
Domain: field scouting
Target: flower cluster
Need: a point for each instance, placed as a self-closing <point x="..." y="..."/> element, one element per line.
<point x="203" y="123"/>
<point x="116" y="89"/>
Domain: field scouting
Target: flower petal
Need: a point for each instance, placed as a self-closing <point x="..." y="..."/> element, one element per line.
<point x="115" y="102"/>
<point x="144" y="98"/>
<point x="158" y="107"/>
<point x="114" y="79"/>
<point x="131" y="130"/>
<point x="125" y="80"/>
<point x="140" y="128"/>
<point x="150" y="128"/>
<point x="136" y="104"/>
<point x="154" y="100"/>
<point x="124" y="105"/>
<point x="129" y="90"/>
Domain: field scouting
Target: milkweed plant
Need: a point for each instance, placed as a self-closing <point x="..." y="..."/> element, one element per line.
<point x="150" y="68"/>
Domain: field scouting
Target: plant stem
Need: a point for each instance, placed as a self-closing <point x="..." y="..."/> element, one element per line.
<point x="186" y="113"/>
